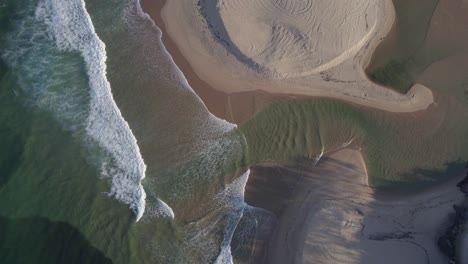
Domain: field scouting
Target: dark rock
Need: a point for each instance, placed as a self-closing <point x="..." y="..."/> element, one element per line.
<point x="463" y="185"/>
<point x="391" y="236"/>
<point x="446" y="245"/>
<point x="448" y="241"/>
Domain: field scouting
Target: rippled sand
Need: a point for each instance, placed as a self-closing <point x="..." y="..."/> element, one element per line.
<point x="314" y="48"/>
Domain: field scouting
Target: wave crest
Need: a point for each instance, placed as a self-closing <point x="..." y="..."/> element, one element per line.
<point x="71" y="29"/>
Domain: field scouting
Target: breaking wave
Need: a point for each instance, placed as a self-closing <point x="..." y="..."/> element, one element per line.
<point x="70" y="27"/>
<point x="61" y="66"/>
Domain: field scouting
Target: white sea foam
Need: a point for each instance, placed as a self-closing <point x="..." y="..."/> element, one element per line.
<point x="212" y="146"/>
<point x="319" y="156"/>
<point x="159" y="209"/>
<point x="233" y="196"/>
<point x="213" y="126"/>
<point x="71" y="28"/>
<point x="233" y="193"/>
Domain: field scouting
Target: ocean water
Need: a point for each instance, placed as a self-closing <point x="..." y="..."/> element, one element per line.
<point x="107" y="154"/>
<point x="52" y="57"/>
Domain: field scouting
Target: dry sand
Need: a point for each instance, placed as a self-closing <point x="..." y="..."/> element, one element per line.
<point x="233" y="107"/>
<point x="328" y="214"/>
<point x="314" y="48"/>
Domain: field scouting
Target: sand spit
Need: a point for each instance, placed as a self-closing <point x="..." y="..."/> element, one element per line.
<point x="332" y="216"/>
<point x="313" y="48"/>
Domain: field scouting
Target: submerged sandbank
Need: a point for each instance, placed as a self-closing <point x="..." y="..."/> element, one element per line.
<point x="390" y="237"/>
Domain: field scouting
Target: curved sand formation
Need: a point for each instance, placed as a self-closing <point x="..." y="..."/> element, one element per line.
<point x="310" y="47"/>
<point x="289" y="39"/>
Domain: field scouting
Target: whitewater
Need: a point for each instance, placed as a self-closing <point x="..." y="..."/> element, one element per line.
<point x="71" y="28"/>
<point x="211" y="146"/>
<point x="65" y="28"/>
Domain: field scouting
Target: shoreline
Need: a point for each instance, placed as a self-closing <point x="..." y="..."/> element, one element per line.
<point x="224" y="73"/>
<point x="238" y="107"/>
<point x="235" y="108"/>
<point x="153" y="9"/>
<point x="221" y="104"/>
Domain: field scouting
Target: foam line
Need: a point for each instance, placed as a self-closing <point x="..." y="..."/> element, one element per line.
<point x="233" y="195"/>
<point x="71" y="28"/>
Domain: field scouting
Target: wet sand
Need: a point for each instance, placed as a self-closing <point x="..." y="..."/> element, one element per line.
<point x="291" y="194"/>
<point x="425" y="33"/>
<point x="328" y="214"/>
<point x="236" y="107"/>
<point x="194" y="27"/>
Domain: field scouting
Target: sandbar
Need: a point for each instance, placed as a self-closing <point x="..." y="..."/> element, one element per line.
<point x="316" y="48"/>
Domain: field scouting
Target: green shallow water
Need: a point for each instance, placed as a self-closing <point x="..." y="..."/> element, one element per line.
<point x="401" y="151"/>
<point x="51" y="170"/>
<point x="398" y="61"/>
<point x="50" y="197"/>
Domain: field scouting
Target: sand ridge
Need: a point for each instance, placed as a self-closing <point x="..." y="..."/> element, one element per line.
<point x="312" y="48"/>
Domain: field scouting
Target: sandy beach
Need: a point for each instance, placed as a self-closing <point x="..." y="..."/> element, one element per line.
<point x="234" y="131"/>
<point x="325" y="213"/>
<point x="233" y="107"/>
<point x="232" y="58"/>
<point x="328" y="214"/>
